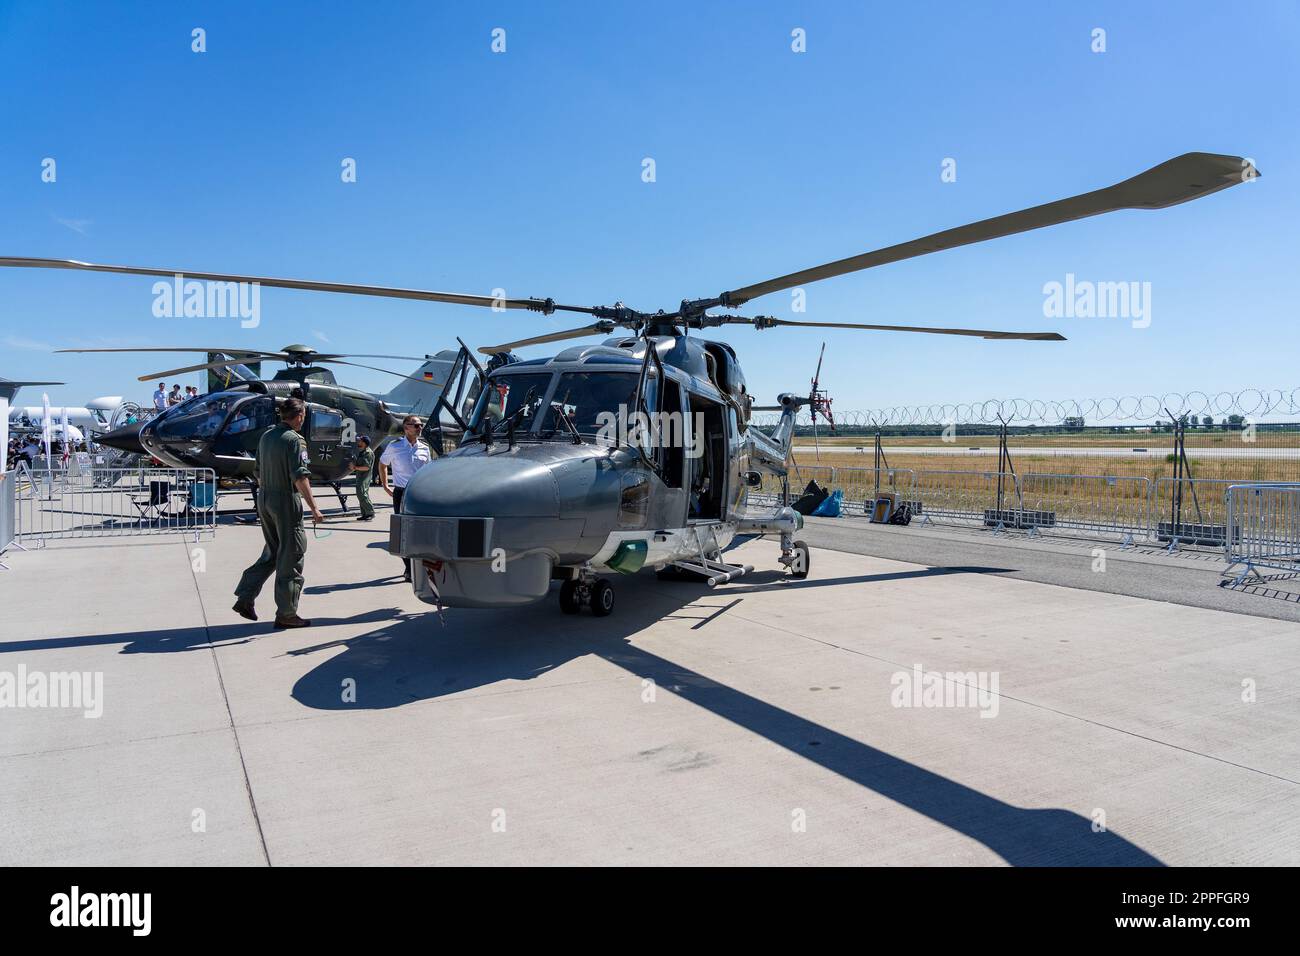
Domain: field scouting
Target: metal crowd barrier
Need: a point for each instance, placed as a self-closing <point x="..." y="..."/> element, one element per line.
<point x="966" y="497"/>
<point x="768" y="494"/>
<point x="1097" y="505"/>
<point x="800" y="475"/>
<point x="1206" y="512"/>
<point x="1189" y="511"/>
<point x="1263" y="524"/>
<point x="99" y="502"/>
<point x="861" y="484"/>
<point x="8" y="509"/>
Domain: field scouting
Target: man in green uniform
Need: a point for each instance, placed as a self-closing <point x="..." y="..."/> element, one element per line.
<point x="361" y="465"/>
<point x="284" y="480"/>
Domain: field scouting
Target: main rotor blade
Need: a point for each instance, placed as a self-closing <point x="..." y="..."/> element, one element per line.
<point x="311" y="357"/>
<point x="246" y="352"/>
<point x="224" y="362"/>
<point x="977" y="333"/>
<point x="188" y="368"/>
<point x="389" y="371"/>
<point x="456" y="298"/>
<point x="596" y="328"/>
<point x="1185" y="177"/>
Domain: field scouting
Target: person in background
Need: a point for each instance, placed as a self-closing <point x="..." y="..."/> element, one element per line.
<point x="405" y="457"/>
<point x="362" y="464"/>
<point x="284" y="480"/>
<point x="175" y="398"/>
<point x="160" y="397"/>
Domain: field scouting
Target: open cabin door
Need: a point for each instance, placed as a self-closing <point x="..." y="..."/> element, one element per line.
<point x="660" y="441"/>
<point x="447" y="424"/>
<point x="708" y="462"/>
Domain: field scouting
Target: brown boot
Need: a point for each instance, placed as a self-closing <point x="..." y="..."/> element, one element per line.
<point x="245" y="609"/>
<point x="292" y="621"/>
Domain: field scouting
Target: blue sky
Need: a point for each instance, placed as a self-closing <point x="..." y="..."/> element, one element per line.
<point x="522" y="170"/>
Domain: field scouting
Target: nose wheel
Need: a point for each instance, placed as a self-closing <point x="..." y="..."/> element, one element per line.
<point x="794" y="555"/>
<point x="596" y="593"/>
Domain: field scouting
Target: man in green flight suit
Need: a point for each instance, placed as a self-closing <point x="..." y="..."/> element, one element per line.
<point x="284" y="480"/>
<point x="362" y="463"/>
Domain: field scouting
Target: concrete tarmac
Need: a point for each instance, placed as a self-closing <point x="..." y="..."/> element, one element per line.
<point x="1191" y="576"/>
<point x="755" y="724"/>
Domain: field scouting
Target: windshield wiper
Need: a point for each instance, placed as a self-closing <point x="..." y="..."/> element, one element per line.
<point x="524" y="406"/>
<point x="558" y="409"/>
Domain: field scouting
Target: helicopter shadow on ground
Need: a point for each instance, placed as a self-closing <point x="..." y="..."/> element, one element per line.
<point x="413" y="657"/>
<point x="187" y="638"/>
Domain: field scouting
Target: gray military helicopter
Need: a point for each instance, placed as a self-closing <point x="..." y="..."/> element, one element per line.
<point x="638" y="451"/>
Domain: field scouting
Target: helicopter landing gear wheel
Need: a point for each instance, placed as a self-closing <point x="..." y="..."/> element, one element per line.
<point x="602" y="598"/>
<point x="799" y="560"/>
<point x="569" y="601"/>
<point x="596" y="593"/>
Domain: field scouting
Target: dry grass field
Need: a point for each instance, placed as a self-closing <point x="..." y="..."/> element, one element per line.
<point x="1092" y="493"/>
<point x="1024" y="460"/>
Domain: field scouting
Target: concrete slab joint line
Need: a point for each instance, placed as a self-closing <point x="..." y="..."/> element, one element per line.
<point x="234" y="731"/>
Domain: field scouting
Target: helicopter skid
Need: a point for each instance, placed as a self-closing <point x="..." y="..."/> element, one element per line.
<point x="714" y="572"/>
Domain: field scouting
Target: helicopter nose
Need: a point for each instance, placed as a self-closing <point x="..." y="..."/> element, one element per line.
<point x="126" y="438"/>
<point x="483" y="485"/>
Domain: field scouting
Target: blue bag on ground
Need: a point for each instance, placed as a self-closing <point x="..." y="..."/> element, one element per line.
<point x="830" y="508"/>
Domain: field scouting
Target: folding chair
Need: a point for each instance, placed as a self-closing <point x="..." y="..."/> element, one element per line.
<point x="202" y="498"/>
<point x="155" y="503"/>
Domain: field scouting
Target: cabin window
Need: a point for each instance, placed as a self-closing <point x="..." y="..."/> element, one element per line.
<point x="326" y="426"/>
<point x="251" y="416"/>
<point x="634" y="502"/>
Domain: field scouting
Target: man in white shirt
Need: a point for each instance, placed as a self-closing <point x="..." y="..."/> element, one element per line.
<point x="404" y="457"/>
<point x="160" y="396"/>
<point x="31" y="451"/>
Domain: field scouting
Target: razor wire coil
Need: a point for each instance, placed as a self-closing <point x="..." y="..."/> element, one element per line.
<point x="1252" y="404"/>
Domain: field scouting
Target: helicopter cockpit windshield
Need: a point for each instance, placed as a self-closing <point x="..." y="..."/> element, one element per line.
<point x="591" y="401"/>
<point x="199" y="418"/>
<point x="503" y="400"/>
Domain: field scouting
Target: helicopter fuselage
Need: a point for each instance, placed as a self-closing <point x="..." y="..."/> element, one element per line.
<point x="650" y="467"/>
<point x="220" y="430"/>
